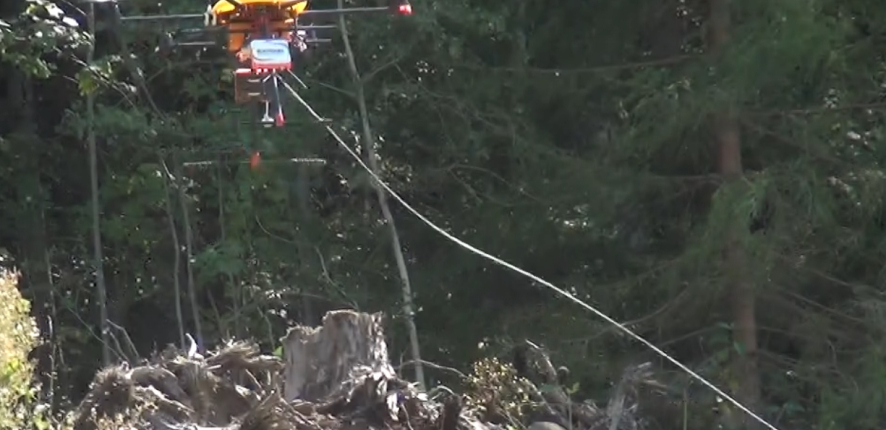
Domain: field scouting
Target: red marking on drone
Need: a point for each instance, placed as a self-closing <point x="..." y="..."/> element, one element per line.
<point x="254" y="160"/>
<point x="248" y="24"/>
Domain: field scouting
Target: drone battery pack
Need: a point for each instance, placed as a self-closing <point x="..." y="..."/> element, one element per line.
<point x="270" y="54"/>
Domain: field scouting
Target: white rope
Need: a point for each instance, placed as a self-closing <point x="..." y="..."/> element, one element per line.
<point x="535" y="278"/>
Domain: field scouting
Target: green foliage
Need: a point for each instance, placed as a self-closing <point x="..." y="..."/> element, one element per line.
<point x="30" y="39"/>
<point x="19" y="336"/>
<point x="572" y="138"/>
<point x="494" y="389"/>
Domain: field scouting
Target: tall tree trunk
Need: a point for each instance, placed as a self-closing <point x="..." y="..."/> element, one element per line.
<point x="369" y="143"/>
<point x="176" y="252"/>
<point x="741" y="295"/>
<point x="303" y="194"/>
<point x="98" y="257"/>
<point x="189" y="247"/>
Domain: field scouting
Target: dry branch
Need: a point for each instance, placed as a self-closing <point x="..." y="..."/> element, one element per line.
<point x="335" y="377"/>
<point x="554" y="404"/>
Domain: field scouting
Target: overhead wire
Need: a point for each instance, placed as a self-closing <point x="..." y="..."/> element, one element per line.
<point x="523" y="272"/>
<point x="452" y="238"/>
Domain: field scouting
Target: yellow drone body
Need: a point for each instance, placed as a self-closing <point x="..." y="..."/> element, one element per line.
<point x="224" y="10"/>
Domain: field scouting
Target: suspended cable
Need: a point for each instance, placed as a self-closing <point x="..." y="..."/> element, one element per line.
<point x="491" y="257"/>
<point x="526" y="273"/>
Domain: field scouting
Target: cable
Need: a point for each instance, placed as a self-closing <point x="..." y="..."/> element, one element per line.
<point x="480" y="252"/>
<point x="529" y="275"/>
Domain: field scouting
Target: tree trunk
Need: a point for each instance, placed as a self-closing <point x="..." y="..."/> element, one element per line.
<point x="371" y="160"/>
<point x="348" y="342"/>
<point x="741" y="295"/>
<point x="98" y="256"/>
<point x="189" y="247"/>
<point x="305" y="254"/>
<point x="740" y="292"/>
<point x="342" y="365"/>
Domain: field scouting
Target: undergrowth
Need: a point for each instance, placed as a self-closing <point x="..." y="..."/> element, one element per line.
<point x="494" y="389"/>
<point x="19" y="403"/>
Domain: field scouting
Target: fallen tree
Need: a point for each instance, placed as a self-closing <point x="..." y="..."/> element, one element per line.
<point x="333" y="377"/>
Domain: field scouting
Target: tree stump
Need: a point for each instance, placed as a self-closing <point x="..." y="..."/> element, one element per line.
<point x="335" y="377"/>
<point x="346" y="348"/>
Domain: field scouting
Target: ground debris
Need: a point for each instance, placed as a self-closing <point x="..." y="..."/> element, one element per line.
<point x="333" y="377"/>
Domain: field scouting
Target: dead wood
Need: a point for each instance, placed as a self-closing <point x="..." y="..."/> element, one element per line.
<point x="555" y="405"/>
<point x="334" y="377"/>
<point x="345" y="349"/>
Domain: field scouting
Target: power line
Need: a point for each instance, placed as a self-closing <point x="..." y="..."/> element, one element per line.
<point x="532" y="276"/>
<point x="499" y="261"/>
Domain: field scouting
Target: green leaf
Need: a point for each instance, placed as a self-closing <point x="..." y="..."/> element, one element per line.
<point x="575" y="387"/>
<point x="86" y="82"/>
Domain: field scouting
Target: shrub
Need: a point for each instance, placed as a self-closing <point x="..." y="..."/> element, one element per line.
<point x="18" y="336"/>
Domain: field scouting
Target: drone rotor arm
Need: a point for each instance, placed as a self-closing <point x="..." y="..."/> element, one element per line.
<point x="345" y="11"/>
<point x="396" y="7"/>
<point x="175" y="17"/>
<point x="310" y="27"/>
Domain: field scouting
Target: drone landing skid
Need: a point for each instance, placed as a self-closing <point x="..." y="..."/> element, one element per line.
<point x="259" y="80"/>
<point x="264" y="91"/>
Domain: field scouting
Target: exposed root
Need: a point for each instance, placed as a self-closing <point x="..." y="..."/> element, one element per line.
<point x="342" y="380"/>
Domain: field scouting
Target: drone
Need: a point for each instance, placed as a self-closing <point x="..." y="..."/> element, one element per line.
<point x="266" y="41"/>
<point x="263" y="37"/>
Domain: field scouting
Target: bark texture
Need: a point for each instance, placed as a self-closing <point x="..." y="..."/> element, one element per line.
<point x="333" y="377"/>
<point x="744" y="374"/>
<point x="320" y="360"/>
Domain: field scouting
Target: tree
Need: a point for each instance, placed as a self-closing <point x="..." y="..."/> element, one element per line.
<point x="741" y="295"/>
<point x="593" y="163"/>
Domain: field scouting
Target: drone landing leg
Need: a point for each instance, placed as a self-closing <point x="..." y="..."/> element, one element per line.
<point x="266" y="118"/>
<point x="271" y="101"/>
<point x="295" y="95"/>
<point x="279" y="119"/>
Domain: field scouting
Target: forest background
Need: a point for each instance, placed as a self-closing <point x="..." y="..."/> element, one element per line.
<point x="710" y="172"/>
